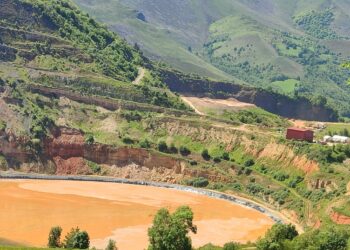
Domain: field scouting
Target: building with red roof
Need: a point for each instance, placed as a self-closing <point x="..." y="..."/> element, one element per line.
<point x="300" y="134"/>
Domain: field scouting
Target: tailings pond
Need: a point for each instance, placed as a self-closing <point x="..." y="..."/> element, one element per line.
<point x="29" y="208"/>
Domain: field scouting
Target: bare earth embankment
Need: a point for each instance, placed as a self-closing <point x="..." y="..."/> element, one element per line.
<point x="205" y="104"/>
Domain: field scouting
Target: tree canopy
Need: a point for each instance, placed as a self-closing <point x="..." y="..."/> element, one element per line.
<point x="170" y="231"/>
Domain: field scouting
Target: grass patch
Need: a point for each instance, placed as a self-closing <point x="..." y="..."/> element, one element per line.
<point x="286" y="87"/>
<point x="344" y="209"/>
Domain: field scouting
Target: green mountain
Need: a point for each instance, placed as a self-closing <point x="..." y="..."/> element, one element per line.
<point x="293" y="47"/>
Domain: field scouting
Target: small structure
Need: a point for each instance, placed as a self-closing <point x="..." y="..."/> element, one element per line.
<point x="327" y="138"/>
<point x="340" y="139"/>
<point x="300" y="134"/>
<point x="336" y="139"/>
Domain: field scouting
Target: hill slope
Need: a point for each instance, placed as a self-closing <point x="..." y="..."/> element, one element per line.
<point x="71" y="103"/>
<point x="289" y="46"/>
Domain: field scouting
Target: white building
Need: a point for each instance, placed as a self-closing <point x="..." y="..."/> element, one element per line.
<point x="336" y="139"/>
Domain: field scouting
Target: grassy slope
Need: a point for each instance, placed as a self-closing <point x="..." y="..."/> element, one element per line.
<point x="155" y="40"/>
<point x="172" y="27"/>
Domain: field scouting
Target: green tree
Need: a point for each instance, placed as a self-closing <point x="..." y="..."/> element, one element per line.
<point x="275" y="237"/>
<point x="55" y="237"/>
<point x="112" y="245"/>
<point x="325" y="239"/>
<point x="77" y="239"/>
<point x="231" y="246"/>
<point x="170" y="231"/>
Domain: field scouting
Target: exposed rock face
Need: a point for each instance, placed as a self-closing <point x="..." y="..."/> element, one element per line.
<point x="340" y="219"/>
<point x="65" y="143"/>
<point x="300" y="108"/>
<point x="66" y="153"/>
<point x="13" y="148"/>
<point x="73" y="165"/>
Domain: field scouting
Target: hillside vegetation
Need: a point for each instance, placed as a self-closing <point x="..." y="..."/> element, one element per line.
<point x="293" y="47"/>
<point x="69" y="104"/>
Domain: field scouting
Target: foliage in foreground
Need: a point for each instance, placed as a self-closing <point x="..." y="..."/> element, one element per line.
<point x="285" y="237"/>
<point x="75" y="239"/>
<point x="170" y="231"/>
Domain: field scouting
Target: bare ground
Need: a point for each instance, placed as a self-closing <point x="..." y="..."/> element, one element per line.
<point x="201" y="105"/>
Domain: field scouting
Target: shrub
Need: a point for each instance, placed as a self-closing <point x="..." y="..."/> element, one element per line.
<point x="2" y="82"/>
<point x="89" y="139"/>
<point x="77" y="239"/>
<point x="173" y="149"/>
<point x="249" y="163"/>
<point x="162" y="146"/>
<point x="111" y="245"/>
<point x="128" y="140"/>
<point x="2" y="125"/>
<point x="280" y="176"/>
<point x="225" y="156"/>
<point x="145" y="144"/>
<point x="236" y="186"/>
<point x="205" y="155"/>
<point x="193" y="163"/>
<point x="55" y="237"/>
<point x="247" y="171"/>
<point x="3" y="163"/>
<point x="217" y="159"/>
<point x="132" y="116"/>
<point x="198" y="182"/>
<point x="94" y="167"/>
<point x="231" y="246"/>
<point x="184" y="151"/>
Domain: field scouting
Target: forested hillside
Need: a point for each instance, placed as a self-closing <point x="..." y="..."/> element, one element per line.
<point x="293" y="47"/>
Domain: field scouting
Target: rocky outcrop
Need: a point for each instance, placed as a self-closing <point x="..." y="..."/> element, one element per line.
<point x="73" y="165"/>
<point x="339" y="218"/>
<point x="69" y="143"/>
<point x="66" y="153"/>
<point x="14" y="148"/>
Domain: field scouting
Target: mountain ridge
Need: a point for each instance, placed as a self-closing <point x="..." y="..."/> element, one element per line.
<point x="284" y="53"/>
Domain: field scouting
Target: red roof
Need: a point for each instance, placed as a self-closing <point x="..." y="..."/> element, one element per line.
<point x="299" y="129"/>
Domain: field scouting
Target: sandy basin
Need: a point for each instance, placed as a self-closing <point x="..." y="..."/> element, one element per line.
<point x="29" y="208"/>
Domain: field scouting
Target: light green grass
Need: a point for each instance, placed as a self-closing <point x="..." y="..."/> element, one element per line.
<point x="286" y="87"/>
